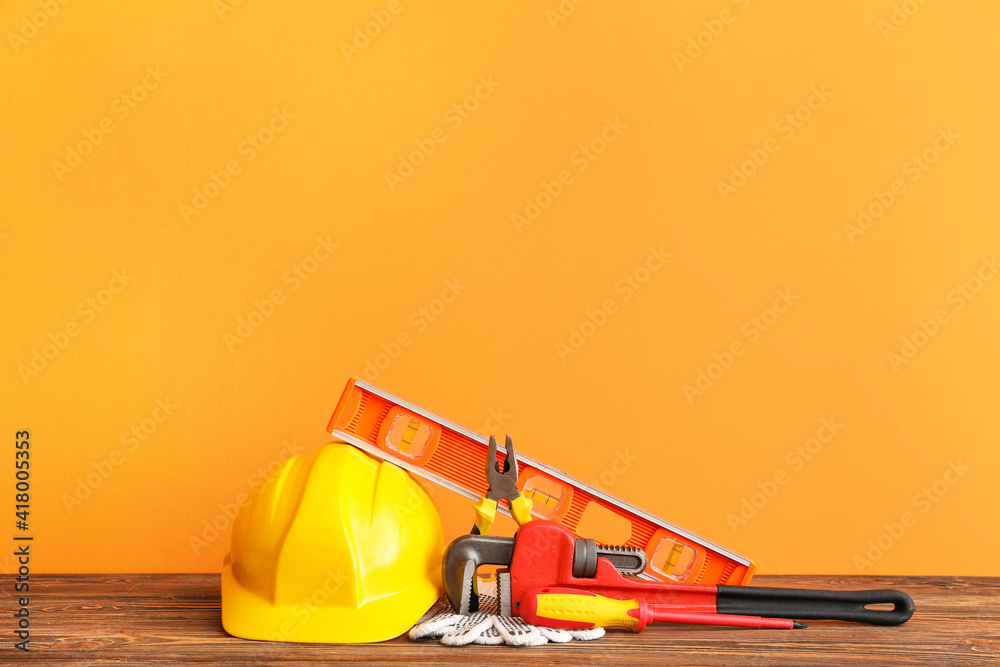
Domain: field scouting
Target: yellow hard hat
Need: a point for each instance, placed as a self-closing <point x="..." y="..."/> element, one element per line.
<point x="333" y="547"/>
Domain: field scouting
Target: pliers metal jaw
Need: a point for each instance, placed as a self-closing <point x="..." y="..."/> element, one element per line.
<point x="502" y="486"/>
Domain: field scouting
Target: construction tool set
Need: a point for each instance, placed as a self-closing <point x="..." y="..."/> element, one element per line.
<point x="551" y="576"/>
<point x="351" y="523"/>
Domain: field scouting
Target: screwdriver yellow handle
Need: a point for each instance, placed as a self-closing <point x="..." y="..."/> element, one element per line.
<point x="577" y="609"/>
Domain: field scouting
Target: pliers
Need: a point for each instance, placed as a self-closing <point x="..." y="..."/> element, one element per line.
<point x="503" y="485"/>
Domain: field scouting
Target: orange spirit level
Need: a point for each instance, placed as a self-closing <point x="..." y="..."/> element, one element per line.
<point x="454" y="457"/>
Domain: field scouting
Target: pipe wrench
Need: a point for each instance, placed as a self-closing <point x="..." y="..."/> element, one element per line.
<point x="545" y="554"/>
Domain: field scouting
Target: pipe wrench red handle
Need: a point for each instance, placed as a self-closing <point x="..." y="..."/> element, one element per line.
<point x="545" y="553"/>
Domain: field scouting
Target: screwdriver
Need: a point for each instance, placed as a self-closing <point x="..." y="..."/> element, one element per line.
<point x="574" y="609"/>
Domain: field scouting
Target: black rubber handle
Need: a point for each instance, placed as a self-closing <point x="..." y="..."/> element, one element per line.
<point x="805" y="604"/>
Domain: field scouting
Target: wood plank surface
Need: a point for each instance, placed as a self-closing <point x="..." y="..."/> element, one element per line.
<point x="87" y="619"/>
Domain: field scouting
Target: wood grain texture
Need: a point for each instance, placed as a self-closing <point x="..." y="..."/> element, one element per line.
<point x="86" y="619"/>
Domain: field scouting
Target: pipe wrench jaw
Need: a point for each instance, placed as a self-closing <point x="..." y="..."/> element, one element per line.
<point x="547" y="554"/>
<point x="461" y="560"/>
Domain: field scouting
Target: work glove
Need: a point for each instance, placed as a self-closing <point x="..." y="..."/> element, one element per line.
<point x="487" y="627"/>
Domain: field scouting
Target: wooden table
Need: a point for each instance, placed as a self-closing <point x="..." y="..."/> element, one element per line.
<point x="85" y="619"/>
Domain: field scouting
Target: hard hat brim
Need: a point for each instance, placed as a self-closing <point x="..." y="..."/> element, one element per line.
<point x="247" y="615"/>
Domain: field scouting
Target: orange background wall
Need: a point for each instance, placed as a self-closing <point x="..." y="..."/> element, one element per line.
<point x="646" y="225"/>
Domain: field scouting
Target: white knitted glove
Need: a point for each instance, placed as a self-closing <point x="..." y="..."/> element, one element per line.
<point x="487" y="627"/>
